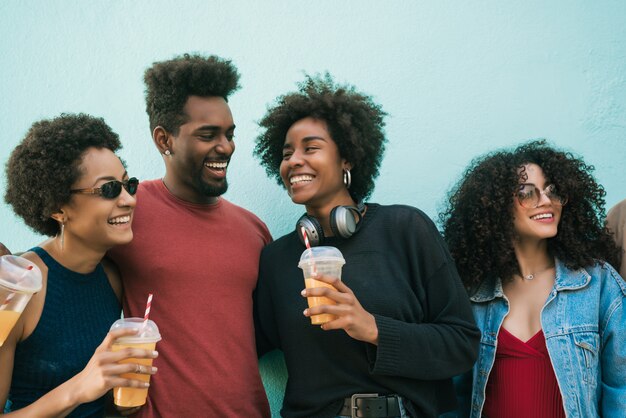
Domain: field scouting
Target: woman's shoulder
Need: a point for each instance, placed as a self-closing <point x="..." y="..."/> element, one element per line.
<point x="598" y="278"/>
<point x="402" y="213"/>
<point x="113" y="275"/>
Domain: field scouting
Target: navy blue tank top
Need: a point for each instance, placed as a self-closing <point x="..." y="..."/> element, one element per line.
<point x="77" y="314"/>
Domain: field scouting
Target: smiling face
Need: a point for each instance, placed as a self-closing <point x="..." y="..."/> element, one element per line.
<point x="92" y="220"/>
<point x="541" y="222"/>
<point x="201" y="151"/>
<point x="312" y="169"/>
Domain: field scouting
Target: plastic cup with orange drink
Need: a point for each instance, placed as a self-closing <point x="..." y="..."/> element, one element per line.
<point x="146" y="338"/>
<point x="318" y="261"/>
<point x="19" y="280"/>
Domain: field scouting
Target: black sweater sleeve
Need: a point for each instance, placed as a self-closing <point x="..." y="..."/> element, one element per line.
<point x="445" y="342"/>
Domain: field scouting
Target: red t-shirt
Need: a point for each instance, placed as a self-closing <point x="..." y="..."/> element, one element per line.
<point x="201" y="264"/>
<point x="522" y="383"/>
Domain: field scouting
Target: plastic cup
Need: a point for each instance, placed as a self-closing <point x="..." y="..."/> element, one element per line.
<point x="146" y="339"/>
<point x="19" y="280"/>
<point x="325" y="261"/>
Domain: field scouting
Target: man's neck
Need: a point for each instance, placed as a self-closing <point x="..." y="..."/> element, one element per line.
<point x="183" y="194"/>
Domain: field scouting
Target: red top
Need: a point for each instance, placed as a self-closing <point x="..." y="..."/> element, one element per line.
<point x="522" y="382"/>
<point x="201" y="262"/>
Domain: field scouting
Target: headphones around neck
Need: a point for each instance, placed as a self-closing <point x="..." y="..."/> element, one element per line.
<point x="342" y="223"/>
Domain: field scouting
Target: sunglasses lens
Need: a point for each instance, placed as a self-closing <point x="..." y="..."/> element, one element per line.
<point x="554" y="196"/>
<point x="527" y="196"/>
<point x="131" y="185"/>
<point x="111" y="189"/>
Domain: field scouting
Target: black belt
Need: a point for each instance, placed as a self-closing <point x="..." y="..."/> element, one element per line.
<point x="370" y="405"/>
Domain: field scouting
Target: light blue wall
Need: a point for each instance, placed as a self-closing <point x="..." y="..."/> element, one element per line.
<point x="458" y="78"/>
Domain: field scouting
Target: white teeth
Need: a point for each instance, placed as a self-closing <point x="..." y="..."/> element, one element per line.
<point x="219" y="166"/>
<point x="297" y="179"/>
<point x="119" y="220"/>
<point x="542" y="216"/>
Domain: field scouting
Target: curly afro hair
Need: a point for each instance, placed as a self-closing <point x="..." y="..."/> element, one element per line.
<point x="170" y="83"/>
<point x="43" y="167"/>
<point x="478" y="220"/>
<point x="354" y="122"/>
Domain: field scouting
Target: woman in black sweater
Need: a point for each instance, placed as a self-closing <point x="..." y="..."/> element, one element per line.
<point x="404" y="326"/>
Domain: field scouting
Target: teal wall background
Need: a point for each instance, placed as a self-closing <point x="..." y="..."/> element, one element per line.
<point x="457" y="79"/>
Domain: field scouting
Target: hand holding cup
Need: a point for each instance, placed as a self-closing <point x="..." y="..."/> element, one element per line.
<point x="316" y="261"/>
<point x="345" y="308"/>
<point x="105" y="369"/>
<point x="144" y="337"/>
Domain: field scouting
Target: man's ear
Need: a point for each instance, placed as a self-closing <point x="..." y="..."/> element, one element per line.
<point x="162" y="140"/>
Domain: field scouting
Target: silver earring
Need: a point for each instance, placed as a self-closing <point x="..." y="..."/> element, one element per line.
<point x="347" y="178"/>
<point x="62" y="238"/>
<point x="167" y="152"/>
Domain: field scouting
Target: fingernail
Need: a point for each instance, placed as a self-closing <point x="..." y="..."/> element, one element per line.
<point x="305" y="312"/>
<point x="146" y="384"/>
<point x="303" y="293"/>
<point x="155" y="353"/>
<point x="154" y="369"/>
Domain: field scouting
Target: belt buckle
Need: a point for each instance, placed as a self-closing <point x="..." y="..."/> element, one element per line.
<point x="353" y="398"/>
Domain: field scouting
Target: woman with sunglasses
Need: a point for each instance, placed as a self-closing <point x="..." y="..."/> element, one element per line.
<point x="65" y="181"/>
<point x="525" y="229"/>
<point x="403" y="323"/>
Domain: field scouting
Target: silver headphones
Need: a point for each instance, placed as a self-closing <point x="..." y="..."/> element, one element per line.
<point x="342" y="223"/>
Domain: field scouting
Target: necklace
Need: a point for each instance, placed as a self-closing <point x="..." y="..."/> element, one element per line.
<point x="531" y="276"/>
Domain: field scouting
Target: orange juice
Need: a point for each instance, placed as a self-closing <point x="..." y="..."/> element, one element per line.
<point x="125" y="396"/>
<point x="7" y="321"/>
<point x="319" y="300"/>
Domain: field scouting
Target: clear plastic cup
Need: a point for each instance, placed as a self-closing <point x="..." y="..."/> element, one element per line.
<point x="19" y="280"/>
<point x="146" y="339"/>
<point x="325" y="261"/>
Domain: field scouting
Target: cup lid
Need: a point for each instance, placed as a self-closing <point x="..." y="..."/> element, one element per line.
<point x="19" y="274"/>
<point x="147" y="333"/>
<point x="321" y="254"/>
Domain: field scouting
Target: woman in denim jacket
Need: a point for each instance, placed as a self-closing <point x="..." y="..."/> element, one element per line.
<point x="525" y="229"/>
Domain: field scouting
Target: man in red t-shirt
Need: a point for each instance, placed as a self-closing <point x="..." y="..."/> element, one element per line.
<point x="195" y="251"/>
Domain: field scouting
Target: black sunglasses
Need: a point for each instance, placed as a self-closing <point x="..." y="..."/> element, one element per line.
<point x="111" y="189"/>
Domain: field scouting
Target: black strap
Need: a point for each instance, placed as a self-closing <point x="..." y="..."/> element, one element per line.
<point x="372" y="407"/>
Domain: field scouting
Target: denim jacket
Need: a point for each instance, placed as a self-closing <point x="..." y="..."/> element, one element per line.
<point x="584" y="323"/>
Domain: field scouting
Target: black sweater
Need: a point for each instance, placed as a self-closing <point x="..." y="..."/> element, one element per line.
<point x="400" y="270"/>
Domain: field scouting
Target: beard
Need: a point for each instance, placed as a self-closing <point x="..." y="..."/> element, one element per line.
<point x="210" y="190"/>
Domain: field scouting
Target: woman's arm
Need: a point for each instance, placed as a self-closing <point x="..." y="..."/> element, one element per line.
<point x="444" y="345"/>
<point x="613" y="356"/>
<point x="436" y="336"/>
<point x="101" y="374"/>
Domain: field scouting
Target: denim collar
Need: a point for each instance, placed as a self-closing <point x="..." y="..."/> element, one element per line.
<point x="566" y="279"/>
